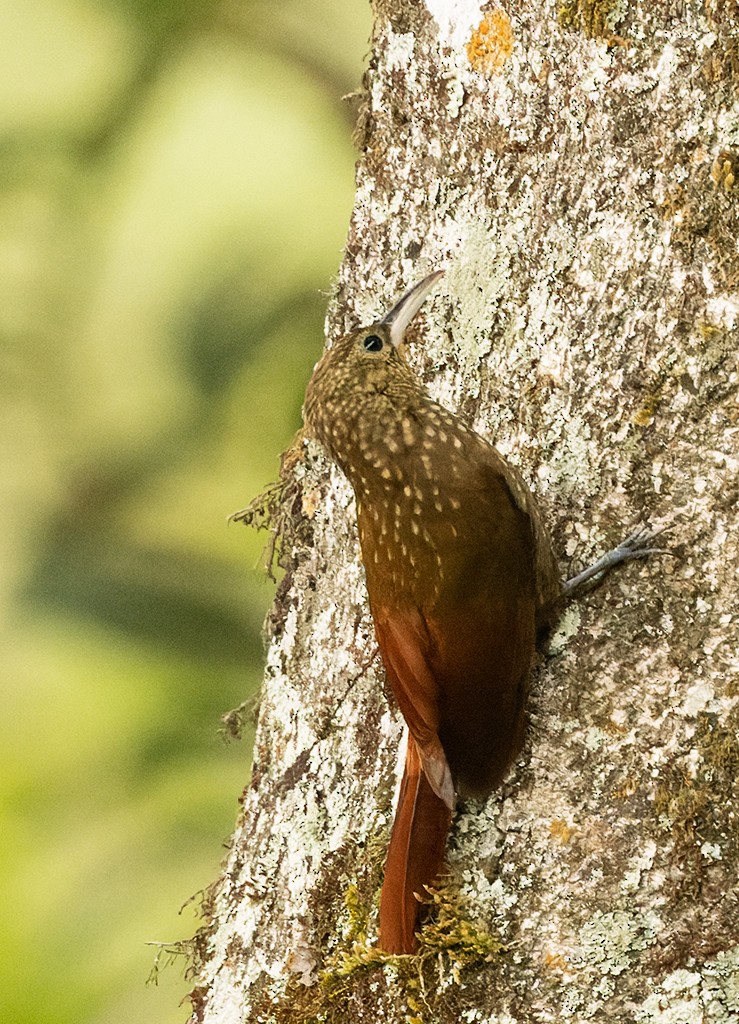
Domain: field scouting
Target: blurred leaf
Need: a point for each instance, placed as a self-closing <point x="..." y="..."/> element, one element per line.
<point x="175" y="183"/>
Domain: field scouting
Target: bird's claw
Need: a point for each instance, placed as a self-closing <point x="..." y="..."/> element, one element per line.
<point x="637" y="545"/>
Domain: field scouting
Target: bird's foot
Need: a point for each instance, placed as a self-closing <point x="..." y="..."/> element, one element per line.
<point x="639" y="544"/>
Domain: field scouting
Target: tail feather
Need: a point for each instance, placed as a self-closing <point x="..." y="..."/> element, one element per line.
<point x="415" y="856"/>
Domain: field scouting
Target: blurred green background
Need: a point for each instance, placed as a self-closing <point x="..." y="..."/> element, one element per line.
<point x="175" y="187"/>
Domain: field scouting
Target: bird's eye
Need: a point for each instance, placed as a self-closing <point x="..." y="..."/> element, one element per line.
<point x="372" y="343"/>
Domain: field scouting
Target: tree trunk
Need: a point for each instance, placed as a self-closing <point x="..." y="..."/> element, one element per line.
<point x="575" y="168"/>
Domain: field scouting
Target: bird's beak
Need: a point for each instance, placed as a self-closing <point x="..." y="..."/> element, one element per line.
<point x="406" y="308"/>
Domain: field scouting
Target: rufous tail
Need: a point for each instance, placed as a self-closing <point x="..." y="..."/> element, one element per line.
<point x="414" y="858"/>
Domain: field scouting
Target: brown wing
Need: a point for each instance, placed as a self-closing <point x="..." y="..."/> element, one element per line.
<point x="480" y="660"/>
<point x="459" y="677"/>
<point x="548" y="580"/>
<point x="404" y="642"/>
<point x="458" y="636"/>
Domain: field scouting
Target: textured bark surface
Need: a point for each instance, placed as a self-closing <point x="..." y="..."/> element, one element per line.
<point x="572" y="167"/>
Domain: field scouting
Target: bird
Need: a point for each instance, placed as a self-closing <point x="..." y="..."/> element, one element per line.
<point x="462" y="580"/>
<point x="460" y="575"/>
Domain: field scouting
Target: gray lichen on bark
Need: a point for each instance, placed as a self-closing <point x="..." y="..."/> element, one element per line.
<point x="579" y="192"/>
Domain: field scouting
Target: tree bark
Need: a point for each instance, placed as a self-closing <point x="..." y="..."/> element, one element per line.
<point x="575" y="168"/>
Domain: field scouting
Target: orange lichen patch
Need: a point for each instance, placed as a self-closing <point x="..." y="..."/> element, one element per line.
<point x="492" y="43"/>
<point x="555" y="962"/>
<point x="560" y="830"/>
<point x="644" y="415"/>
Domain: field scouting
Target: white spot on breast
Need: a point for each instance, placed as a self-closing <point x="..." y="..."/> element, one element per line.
<point x="409" y="435"/>
<point x="407" y="491"/>
<point x="385" y="474"/>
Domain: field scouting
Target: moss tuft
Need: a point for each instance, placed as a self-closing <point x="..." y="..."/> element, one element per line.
<point x="286" y="507"/>
<point x="598" y="19"/>
<point x="449" y="946"/>
<point x="725" y="170"/>
<point x="700" y="806"/>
